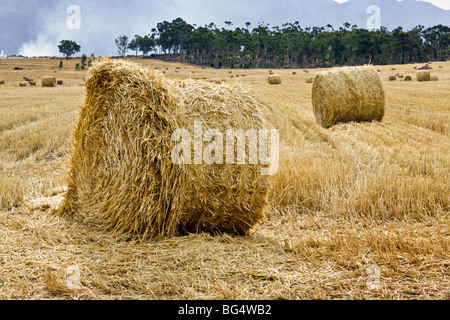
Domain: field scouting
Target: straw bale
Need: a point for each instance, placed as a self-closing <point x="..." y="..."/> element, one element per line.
<point x="22" y="84"/>
<point x="434" y="78"/>
<point x="423" y="76"/>
<point x="348" y="94"/>
<point x="49" y="82"/>
<point x="274" y="79"/>
<point x="392" y="78"/>
<point x="122" y="174"/>
<point x="407" y="78"/>
<point x="2" y="81"/>
<point x="309" y="80"/>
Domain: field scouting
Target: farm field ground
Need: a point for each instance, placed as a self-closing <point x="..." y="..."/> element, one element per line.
<point x="349" y="205"/>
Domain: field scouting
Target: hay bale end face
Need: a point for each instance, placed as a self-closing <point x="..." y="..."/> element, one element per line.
<point x="423" y="76"/>
<point x="407" y="78"/>
<point x="348" y="94"/>
<point x="48" y="82"/>
<point x="274" y="79"/>
<point x="122" y="174"/>
<point x="392" y="78"/>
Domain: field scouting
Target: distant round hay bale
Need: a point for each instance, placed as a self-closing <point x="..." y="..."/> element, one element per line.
<point x="348" y="94"/>
<point x="270" y="72"/>
<point x="230" y="71"/>
<point x="274" y="79"/>
<point x="2" y="82"/>
<point x="306" y="71"/>
<point x="122" y="174"/>
<point x="393" y="69"/>
<point x="415" y="68"/>
<point x="60" y="82"/>
<point x="309" y="80"/>
<point x="423" y="76"/>
<point x="23" y="84"/>
<point x="48" y="82"/>
<point x="392" y="78"/>
<point x="407" y="78"/>
<point x="441" y="67"/>
<point x="32" y="83"/>
<point x="25" y="78"/>
<point x="294" y="72"/>
<point x="434" y="78"/>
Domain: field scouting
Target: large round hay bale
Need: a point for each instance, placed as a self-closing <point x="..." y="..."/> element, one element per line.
<point x="423" y="76"/>
<point x="49" y="82"/>
<point x="348" y="94"/>
<point x="392" y="78"/>
<point x="407" y="78"/>
<point x="434" y="78"/>
<point x="122" y="172"/>
<point x="274" y="79"/>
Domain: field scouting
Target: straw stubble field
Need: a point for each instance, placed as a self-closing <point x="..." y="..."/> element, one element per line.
<point x="344" y="199"/>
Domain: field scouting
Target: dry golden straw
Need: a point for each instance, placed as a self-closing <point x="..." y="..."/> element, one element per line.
<point x="49" y="82"/>
<point x="274" y="79"/>
<point x="348" y="94"/>
<point x="122" y="171"/>
<point x="434" y="78"/>
<point x="423" y="76"/>
<point x="309" y="80"/>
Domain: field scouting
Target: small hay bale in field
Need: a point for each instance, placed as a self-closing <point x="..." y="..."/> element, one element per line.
<point x="2" y="82"/>
<point x="32" y="83"/>
<point x="60" y="82"/>
<point x="423" y="76"/>
<point x="441" y="67"/>
<point x="415" y="68"/>
<point x="294" y="72"/>
<point x="392" y="78"/>
<point x="407" y="78"/>
<point x="274" y="79"/>
<point x="230" y="71"/>
<point x="309" y="80"/>
<point x="393" y="69"/>
<point x="48" y="82"/>
<point x="270" y="72"/>
<point x="122" y="173"/>
<point x="434" y="78"/>
<point x="306" y="71"/>
<point x="348" y="94"/>
<point x="26" y="79"/>
<point x="23" y="84"/>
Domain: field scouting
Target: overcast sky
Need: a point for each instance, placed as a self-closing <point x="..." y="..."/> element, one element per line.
<point x="35" y="27"/>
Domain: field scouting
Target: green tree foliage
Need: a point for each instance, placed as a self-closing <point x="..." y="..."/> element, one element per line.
<point x="122" y="45"/>
<point x="69" y="48"/>
<point x="293" y="46"/>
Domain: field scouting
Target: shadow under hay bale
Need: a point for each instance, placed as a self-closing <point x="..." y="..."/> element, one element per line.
<point x="48" y="82"/>
<point x="60" y="82"/>
<point x="274" y="79"/>
<point x="122" y="172"/>
<point x="348" y="94"/>
<point x="423" y="76"/>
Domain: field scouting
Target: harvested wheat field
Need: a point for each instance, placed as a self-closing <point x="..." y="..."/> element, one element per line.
<point x="346" y="201"/>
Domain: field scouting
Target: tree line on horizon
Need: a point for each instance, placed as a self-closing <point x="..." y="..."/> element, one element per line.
<point x="288" y="46"/>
